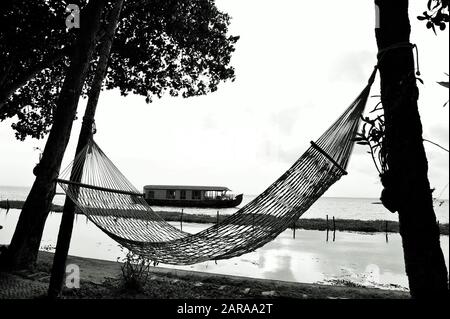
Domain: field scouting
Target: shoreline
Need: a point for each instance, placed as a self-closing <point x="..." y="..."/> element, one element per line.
<point x="99" y="279"/>
<point x="351" y="225"/>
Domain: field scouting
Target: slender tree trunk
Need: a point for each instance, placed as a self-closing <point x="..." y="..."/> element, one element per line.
<point x="406" y="186"/>
<point x="23" y="250"/>
<point x="65" y="230"/>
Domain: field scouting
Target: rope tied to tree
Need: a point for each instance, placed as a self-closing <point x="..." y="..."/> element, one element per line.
<point x="90" y="121"/>
<point x="400" y="45"/>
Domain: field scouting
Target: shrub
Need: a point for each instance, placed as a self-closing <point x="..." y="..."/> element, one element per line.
<point x="135" y="272"/>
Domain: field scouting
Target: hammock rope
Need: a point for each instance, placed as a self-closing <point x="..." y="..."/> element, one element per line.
<point x="112" y="203"/>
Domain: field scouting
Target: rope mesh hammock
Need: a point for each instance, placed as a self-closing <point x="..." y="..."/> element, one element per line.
<point x="113" y="204"/>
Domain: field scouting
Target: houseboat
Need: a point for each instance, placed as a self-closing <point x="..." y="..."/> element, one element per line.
<point x="191" y="196"/>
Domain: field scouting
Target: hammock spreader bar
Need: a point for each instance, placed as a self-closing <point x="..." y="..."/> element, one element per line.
<point x="105" y="189"/>
<point x="317" y="147"/>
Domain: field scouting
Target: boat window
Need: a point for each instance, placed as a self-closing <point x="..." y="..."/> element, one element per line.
<point x="151" y="194"/>
<point x="211" y="195"/>
<point x="182" y="194"/>
<point x="196" y="194"/>
<point x="170" y="194"/>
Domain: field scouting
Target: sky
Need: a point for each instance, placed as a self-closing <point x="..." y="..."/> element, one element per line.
<point x="299" y="64"/>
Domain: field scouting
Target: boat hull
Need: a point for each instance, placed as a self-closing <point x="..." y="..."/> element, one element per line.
<point x="210" y="203"/>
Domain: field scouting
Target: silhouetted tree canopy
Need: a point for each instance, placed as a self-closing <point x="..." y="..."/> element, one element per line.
<point x="31" y="32"/>
<point x="173" y="47"/>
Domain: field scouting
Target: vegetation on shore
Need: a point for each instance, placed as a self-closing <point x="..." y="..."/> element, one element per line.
<point x="356" y="225"/>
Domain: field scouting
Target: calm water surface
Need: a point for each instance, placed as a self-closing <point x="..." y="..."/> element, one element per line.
<point x="344" y="208"/>
<point x="354" y="257"/>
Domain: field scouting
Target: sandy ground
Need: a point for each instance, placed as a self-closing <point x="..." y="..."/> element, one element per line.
<point x="101" y="279"/>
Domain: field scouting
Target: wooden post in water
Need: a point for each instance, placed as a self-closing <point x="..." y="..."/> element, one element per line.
<point x="386" y="230"/>
<point x="217" y="225"/>
<point x="334" y="229"/>
<point x="7" y="206"/>
<point x="327" y="228"/>
<point x="181" y="219"/>
<point x="294" y="230"/>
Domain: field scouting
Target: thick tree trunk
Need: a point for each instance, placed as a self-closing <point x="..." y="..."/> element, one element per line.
<point x="407" y="189"/>
<point x="22" y="252"/>
<point x="65" y="230"/>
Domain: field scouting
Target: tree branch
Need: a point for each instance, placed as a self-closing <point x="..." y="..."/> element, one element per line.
<point x="7" y="91"/>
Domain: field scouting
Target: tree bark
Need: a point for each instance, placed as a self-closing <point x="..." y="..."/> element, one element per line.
<point x="65" y="230"/>
<point x="406" y="186"/>
<point x="23" y="250"/>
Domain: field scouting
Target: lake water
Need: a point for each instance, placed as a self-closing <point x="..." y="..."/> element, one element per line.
<point x="365" y="259"/>
<point x="342" y="208"/>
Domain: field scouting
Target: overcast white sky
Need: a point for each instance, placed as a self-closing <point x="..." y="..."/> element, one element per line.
<point x="298" y="64"/>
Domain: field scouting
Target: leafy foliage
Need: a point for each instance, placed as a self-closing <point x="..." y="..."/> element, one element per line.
<point x="31" y="32"/>
<point x="372" y="135"/>
<point x="135" y="272"/>
<point x="437" y="15"/>
<point x="444" y="84"/>
<point x="179" y="48"/>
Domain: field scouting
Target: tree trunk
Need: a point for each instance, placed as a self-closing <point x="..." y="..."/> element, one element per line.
<point x="23" y="250"/>
<point x="406" y="186"/>
<point x="65" y="230"/>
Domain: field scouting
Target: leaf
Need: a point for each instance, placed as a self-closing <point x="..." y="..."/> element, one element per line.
<point x="436" y="4"/>
<point x="444" y="84"/>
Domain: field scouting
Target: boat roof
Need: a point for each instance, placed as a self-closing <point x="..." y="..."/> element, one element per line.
<point x="187" y="187"/>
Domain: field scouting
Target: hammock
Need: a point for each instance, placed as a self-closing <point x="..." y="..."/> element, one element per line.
<point x="113" y="204"/>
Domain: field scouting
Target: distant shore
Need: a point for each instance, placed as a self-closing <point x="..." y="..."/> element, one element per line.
<point x="354" y="225"/>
